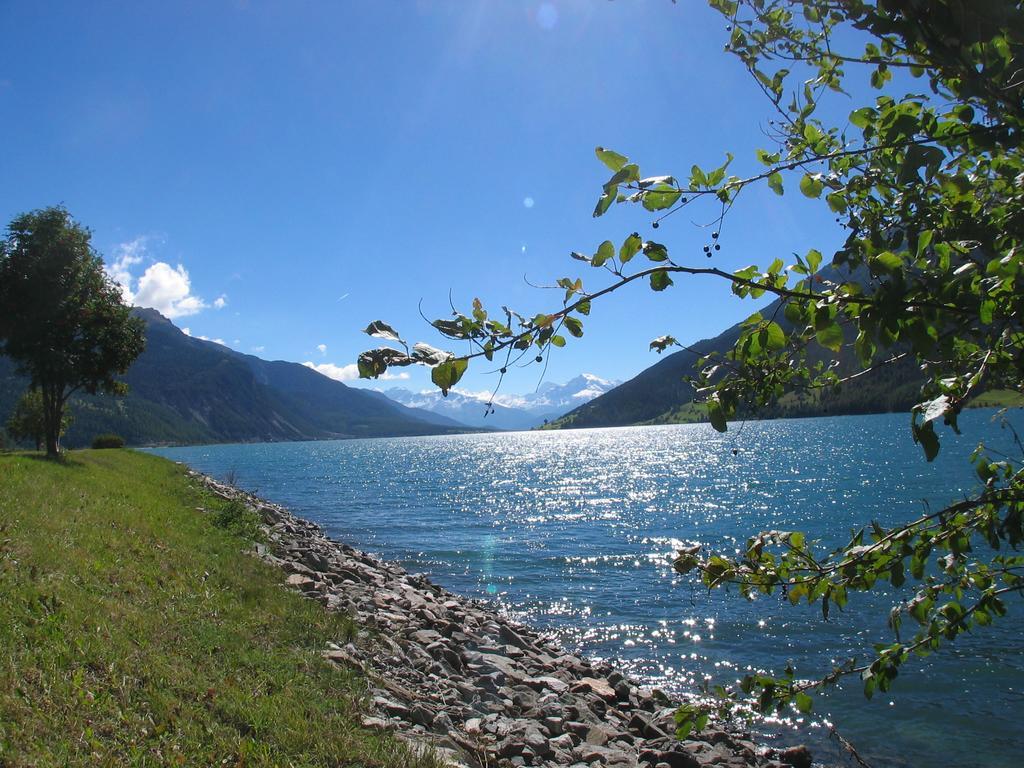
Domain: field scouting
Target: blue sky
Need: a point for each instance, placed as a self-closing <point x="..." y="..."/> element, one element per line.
<point x="278" y="174"/>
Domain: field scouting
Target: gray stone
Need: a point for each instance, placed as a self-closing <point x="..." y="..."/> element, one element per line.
<point x="599" y="735"/>
<point x="537" y="742"/>
<point x="420" y="715"/>
<point x="594" y="685"/>
<point x="678" y="759"/>
<point x="798" y="757"/>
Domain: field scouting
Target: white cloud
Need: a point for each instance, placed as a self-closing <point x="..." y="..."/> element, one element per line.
<point x="337" y="372"/>
<point x="126" y="256"/>
<point x="322" y="348"/>
<point x="162" y="287"/>
<point x="188" y="332"/>
<point x="259" y="348"/>
<point x="221" y="301"/>
<point x="168" y="290"/>
<point x="348" y="372"/>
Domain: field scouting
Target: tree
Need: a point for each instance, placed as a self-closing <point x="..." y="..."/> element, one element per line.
<point x="928" y="185"/>
<point x="61" y="318"/>
<point x="27" y="421"/>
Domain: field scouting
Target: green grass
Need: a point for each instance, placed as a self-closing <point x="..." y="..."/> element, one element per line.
<point x="135" y="631"/>
<point x="998" y="398"/>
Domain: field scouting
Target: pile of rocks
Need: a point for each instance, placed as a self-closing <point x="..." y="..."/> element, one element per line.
<point x="454" y="674"/>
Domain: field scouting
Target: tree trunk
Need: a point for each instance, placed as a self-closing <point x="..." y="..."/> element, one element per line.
<point x="53" y="412"/>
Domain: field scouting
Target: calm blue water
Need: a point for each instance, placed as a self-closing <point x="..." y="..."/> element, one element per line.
<point x="574" y="532"/>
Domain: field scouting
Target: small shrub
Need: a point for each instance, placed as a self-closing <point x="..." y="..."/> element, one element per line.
<point x="108" y="441"/>
<point x="236" y="517"/>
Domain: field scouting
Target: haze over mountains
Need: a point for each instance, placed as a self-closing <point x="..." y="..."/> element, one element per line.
<point x="509" y="411"/>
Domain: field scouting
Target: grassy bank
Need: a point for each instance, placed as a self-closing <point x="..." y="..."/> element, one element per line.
<point x="134" y="631"/>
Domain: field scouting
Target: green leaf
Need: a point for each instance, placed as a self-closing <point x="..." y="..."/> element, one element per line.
<point x="804" y="703"/>
<point x="605" y="202"/>
<point x="662" y="343"/>
<point x="813" y="259"/>
<point x="863" y="117"/>
<point x="424" y="353"/>
<point x="775" y="183"/>
<point x="573" y="326"/>
<point x="793" y="312"/>
<point x="610" y="158"/>
<point x="605" y="251"/>
<point x="933" y="409"/>
<point x="716" y="415"/>
<point x="697" y="177"/>
<point x="627" y="173"/>
<point x="660" y="280"/>
<point x="374" y="362"/>
<point x="837" y="202"/>
<point x="655" y="251"/>
<point x="660" y="196"/>
<point x="630" y="248"/>
<point x="924" y="435"/>
<point x="811" y="185"/>
<point x="382" y="330"/>
<point x="831" y="336"/>
<point x="447" y="374"/>
<point x="887" y="261"/>
<point x="776" y="336"/>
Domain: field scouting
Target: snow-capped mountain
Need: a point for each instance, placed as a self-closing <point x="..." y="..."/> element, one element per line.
<point x="510" y="411"/>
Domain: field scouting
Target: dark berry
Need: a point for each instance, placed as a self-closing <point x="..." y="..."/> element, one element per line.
<point x="714" y="235"/>
<point x="654" y="225"/>
<point x="718" y="247"/>
<point x="540" y="358"/>
<point x="504" y="370"/>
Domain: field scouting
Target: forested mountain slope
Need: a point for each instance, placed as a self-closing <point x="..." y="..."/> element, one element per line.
<point x="186" y="390"/>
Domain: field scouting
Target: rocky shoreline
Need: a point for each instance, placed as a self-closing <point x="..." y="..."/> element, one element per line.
<point x="452" y="674"/>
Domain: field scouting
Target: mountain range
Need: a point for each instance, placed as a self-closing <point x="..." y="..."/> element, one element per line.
<point x="660" y="394"/>
<point x="507" y="411"/>
<point x="187" y="390"/>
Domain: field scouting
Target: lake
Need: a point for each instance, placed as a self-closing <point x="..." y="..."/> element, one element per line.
<point x="573" y="532"/>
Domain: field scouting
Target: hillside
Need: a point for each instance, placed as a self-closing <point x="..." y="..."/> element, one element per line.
<point x="660" y="394"/>
<point x="137" y="631"/>
<point x="186" y="390"/>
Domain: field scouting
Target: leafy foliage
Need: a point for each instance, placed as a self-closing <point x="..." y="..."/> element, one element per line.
<point x="108" y="441"/>
<point x="926" y="178"/>
<point x="27" y="423"/>
<point x="61" y="318"/>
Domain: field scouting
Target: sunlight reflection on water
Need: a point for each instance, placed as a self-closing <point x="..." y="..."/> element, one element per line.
<point x="574" y="532"/>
